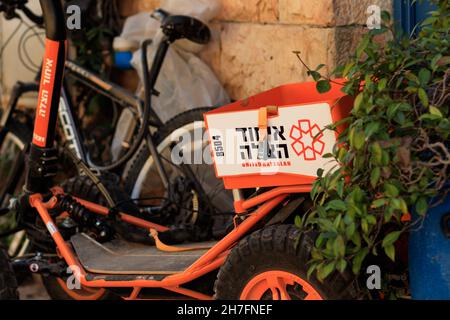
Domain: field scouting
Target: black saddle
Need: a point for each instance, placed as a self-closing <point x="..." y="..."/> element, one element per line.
<point x="184" y="27"/>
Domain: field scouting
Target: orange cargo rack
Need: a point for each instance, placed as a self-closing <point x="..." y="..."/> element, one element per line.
<point x="296" y="138"/>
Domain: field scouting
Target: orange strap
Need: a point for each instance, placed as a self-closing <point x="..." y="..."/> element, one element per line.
<point x="264" y="113"/>
<point x="263" y="119"/>
<point x="163" y="247"/>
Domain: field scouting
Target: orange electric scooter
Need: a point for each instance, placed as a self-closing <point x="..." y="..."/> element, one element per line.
<point x="263" y="258"/>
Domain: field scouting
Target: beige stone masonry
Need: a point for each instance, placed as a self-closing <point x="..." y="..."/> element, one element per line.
<point x="254" y="39"/>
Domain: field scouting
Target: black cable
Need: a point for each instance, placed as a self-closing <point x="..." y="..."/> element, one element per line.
<point x="145" y="122"/>
<point x="30" y="37"/>
<point x="5" y="45"/>
<point x="36" y="33"/>
<point x="25" y="51"/>
<point x="10" y="232"/>
<point x="22" y="51"/>
<point x="91" y="175"/>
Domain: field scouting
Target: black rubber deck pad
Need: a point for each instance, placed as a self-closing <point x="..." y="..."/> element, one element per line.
<point x="123" y="258"/>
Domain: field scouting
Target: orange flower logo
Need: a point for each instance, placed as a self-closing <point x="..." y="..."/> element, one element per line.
<point x="307" y="140"/>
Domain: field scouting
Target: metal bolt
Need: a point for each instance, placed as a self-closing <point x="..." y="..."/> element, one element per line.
<point x="34" y="267"/>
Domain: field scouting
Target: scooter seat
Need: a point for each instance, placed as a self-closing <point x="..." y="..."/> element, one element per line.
<point x="120" y="257"/>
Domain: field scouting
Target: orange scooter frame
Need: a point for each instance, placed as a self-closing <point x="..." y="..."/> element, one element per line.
<point x="42" y="165"/>
<point x="209" y="262"/>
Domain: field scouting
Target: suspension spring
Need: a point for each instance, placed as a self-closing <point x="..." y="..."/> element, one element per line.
<point x="85" y="218"/>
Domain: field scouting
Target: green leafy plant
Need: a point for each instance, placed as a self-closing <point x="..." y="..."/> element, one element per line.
<point x="394" y="156"/>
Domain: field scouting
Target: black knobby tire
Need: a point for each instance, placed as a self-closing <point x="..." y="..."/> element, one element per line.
<point x="279" y="248"/>
<point x="8" y="282"/>
<point x="23" y="133"/>
<point x="84" y="188"/>
<point x="144" y="153"/>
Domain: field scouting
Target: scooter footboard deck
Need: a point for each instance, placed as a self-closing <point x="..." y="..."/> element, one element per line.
<point x="120" y="257"/>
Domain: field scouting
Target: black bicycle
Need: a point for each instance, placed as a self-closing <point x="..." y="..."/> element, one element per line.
<point x="179" y="193"/>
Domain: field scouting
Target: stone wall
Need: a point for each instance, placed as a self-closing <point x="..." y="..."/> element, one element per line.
<point x="254" y="39"/>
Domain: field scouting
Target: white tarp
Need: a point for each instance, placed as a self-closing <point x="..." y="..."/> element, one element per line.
<point x="185" y="81"/>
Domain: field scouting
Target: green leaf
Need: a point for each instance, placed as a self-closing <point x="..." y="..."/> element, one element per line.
<point x="359" y="140"/>
<point x="337" y="221"/>
<point x="424" y="76"/>
<point x="390" y="190"/>
<point x="422" y="206"/>
<point x="315" y="190"/>
<point x="358" y="102"/>
<point x="412" y="77"/>
<point x="323" y="86"/>
<point x="434" y="62"/>
<point x="382" y="84"/>
<point x="347" y="69"/>
<point x="350" y="230"/>
<point x="311" y="270"/>
<point x="320" y="66"/>
<point x="375" y="177"/>
<point x="365" y="226"/>
<point x="362" y="46"/>
<point x="436" y="112"/>
<point x="377" y="152"/>
<point x="430" y="117"/>
<point x="339" y="247"/>
<point x="320" y="172"/>
<point x="358" y="260"/>
<point x="423" y="97"/>
<point x="391" y="238"/>
<point x="371" y="219"/>
<point x="298" y="222"/>
<point x="356" y="239"/>
<point x="340" y="188"/>
<point x="385" y="16"/>
<point x="337" y="205"/>
<point x="379" y="203"/>
<point x="390" y="252"/>
<point x="404" y="206"/>
<point x="325" y="271"/>
<point x="315" y="75"/>
<point x="341" y="265"/>
<point x="372" y="128"/>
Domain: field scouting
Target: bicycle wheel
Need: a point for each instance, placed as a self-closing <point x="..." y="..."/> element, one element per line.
<point x="13" y="148"/>
<point x="143" y="182"/>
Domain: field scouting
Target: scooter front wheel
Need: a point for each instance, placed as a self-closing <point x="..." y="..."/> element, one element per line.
<point x="272" y="264"/>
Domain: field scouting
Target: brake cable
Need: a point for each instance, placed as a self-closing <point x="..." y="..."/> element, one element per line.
<point x="146" y="119"/>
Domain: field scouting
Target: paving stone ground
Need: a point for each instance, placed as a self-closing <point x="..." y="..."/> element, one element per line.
<point x="33" y="289"/>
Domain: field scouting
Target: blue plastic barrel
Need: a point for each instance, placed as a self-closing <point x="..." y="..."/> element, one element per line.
<point x="429" y="256"/>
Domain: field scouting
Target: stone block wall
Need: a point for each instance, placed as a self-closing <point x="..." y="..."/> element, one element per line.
<point x="254" y="39"/>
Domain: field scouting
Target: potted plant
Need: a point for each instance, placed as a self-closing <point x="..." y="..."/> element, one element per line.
<point x="394" y="156"/>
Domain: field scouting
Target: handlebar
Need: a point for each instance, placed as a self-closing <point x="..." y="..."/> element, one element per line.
<point x="39" y="20"/>
<point x="10" y="8"/>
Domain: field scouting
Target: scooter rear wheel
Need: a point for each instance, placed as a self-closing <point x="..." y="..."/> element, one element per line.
<point x="271" y="264"/>
<point x="8" y="282"/>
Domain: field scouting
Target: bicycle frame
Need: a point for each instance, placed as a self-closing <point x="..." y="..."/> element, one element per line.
<point x="66" y="113"/>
